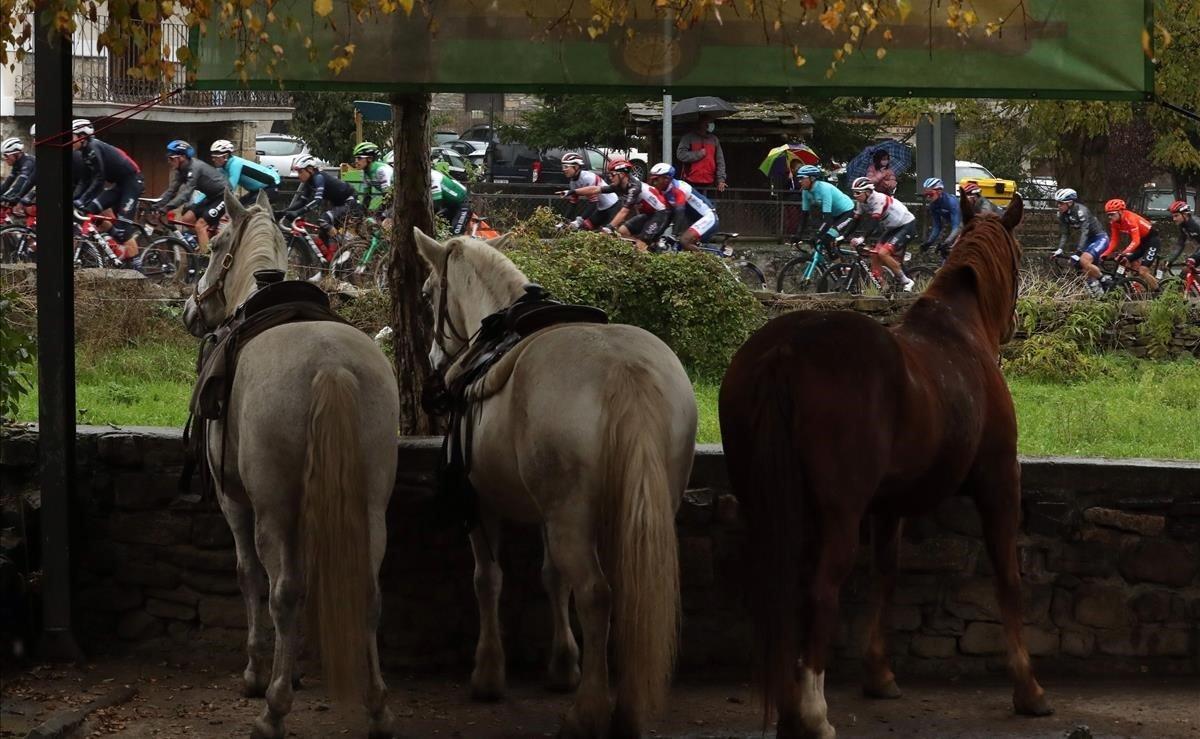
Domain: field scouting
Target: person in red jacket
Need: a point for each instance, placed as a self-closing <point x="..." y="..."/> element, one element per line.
<point x="703" y="160"/>
<point x="1143" y="239"/>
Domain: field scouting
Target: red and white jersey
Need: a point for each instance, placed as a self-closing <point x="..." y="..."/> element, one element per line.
<point x="890" y="213"/>
<point x="588" y="178"/>
<point x="650" y="200"/>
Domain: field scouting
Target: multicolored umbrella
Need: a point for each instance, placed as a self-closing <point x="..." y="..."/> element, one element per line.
<point x="776" y="165"/>
<point x="900" y="155"/>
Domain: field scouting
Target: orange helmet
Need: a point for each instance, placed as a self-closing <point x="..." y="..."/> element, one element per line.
<point x="1116" y="205"/>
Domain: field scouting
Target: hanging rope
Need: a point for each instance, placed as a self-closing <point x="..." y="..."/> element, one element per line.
<point x="116" y="119"/>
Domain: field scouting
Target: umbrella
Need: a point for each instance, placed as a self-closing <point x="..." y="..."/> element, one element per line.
<point x="776" y="165"/>
<point x="901" y="159"/>
<point x="692" y="108"/>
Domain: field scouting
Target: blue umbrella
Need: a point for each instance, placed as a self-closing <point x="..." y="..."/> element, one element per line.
<point x="901" y="159"/>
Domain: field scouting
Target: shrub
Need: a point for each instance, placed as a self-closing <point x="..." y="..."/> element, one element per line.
<point x="16" y="350"/>
<point x="689" y="301"/>
<point x="1050" y="357"/>
<point x="1169" y="310"/>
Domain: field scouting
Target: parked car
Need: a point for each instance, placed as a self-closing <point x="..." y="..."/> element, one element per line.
<point x="456" y="163"/>
<point x="441" y="137"/>
<point x="1041" y="193"/>
<point x="520" y="163"/>
<point x="640" y="159"/>
<point x="1155" y="199"/>
<point x="995" y="189"/>
<point x="279" y="150"/>
<point x="473" y="151"/>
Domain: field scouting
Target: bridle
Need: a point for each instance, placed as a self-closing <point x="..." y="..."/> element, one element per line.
<point x="198" y="295"/>
<point x="444" y="322"/>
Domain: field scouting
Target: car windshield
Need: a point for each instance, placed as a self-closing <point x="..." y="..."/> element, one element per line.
<point x="279" y="147"/>
<point x="973" y="172"/>
<point x="1160" y="200"/>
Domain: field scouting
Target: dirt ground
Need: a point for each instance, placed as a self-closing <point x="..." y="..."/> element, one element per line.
<point x="199" y="696"/>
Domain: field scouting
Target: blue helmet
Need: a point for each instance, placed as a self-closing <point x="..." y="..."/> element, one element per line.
<point x="809" y="170"/>
<point x="179" y="147"/>
<point x="662" y="169"/>
<point x="933" y="183"/>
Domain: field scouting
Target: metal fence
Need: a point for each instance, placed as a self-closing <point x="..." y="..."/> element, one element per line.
<point x="100" y="75"/>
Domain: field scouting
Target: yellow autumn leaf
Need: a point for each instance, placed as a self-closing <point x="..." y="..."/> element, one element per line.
<point x="887" y="35"/>
<point x="407" y="5"/>
<point x="277" y="49"/>
<point x="880" y="53"/>
<point x="905" y="7"/>
<point x="1146" y="44"/>
<point x="800" y="60"/>
<point x="324" y="8"/>
<point x="830" y="19"/>
<point x="970" y="17"/>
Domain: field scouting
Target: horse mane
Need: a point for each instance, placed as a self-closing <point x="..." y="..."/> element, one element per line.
<point x="985" y="260"/>
<point x="261" y="247"/>
<point x="499" y="278"/>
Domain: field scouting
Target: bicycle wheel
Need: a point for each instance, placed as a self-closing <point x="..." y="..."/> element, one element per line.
<point x="792" y="279"/>
<point x="302" y="265"/>
<point x="87" y="256"/>
<point x="748" y="274"/>
<point x="346" y="267"/>
<point x="383" y="266"/>
<point x="922" y="275"/>
<point x="840" y="278"/>
<point x="1133" y="287"/>
<point x="17" y="244"/>
<point x="164" y="259"/>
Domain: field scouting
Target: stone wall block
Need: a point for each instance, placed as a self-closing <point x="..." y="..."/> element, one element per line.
<point x="1137" y="523"/>
<point x="150" y="574"/>
<point x="229" y="613"/>
<point x="1102" y="606"/>
<point x="939" y="554"/>
<point x="109" y="597"/>
<point x="1160" y="561"/>
<point x="1047" y="517"/>
<point x="941" y="623"/>
<point x="167" y="609"/>
<point x="193" y="558"/>
<point x="974" y="600"/>
<point x="982" y="638"/>
<point x="905" y="618"/>
<point x="138" y="625"/>
<point x="1152" y="606"/>
<point x="211" y="582"/>
<point x="141" y="491"/>
<point x="727" y="510"/>
<point x="696" y="561"/>
<point x="697" y="506"/>
<point x="933" y="647"/>
<point x="959" y="515"/>
<point x="182" y="595"/>
<point x="19" y="449"/>
<point x="211" y="531"/>
<point x="1078" y="643"/>
<point x="120" y="450"/>
<point x="161" y="528"/>
<point x="1083" y="559"/>
<point x="1040" y="642"/>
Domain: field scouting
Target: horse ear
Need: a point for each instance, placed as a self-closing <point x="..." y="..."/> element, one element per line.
<point x="1012" y="214"/>
<point x="964" y="205"/>
<point x="498" y="242"/>
<point x="237" y="211"/>
<point x="428" y="248"/>
<point x="263" y="201"/>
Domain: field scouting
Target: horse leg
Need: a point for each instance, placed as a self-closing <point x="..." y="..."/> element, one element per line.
<point x="287" y="591"/>
<point x="572" y="547"/>
<point x="487" y="679"/>
<point x="252" y="580"/>
<point x="805" y="713"/>
<point x="563" y="672"/>
<point x="998" y="498"/>
<point x="878" y="679"/>
<point x="376" y="696"/>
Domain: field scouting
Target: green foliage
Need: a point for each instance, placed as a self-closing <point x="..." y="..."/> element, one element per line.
<point x="689" y="301"/>
<point x="575" y="120"/>
<point x="325" y="120"/>
<point x="17" y="347"/>
<point x="1051" y="357"/>
<point x="1167" y="312"/>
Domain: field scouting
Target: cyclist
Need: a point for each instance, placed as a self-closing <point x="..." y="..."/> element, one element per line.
<point x="1143" y="239"/>
<point x="694" y="216"/>
<point x="316" y="188"/>
<point x="977" y="200"/>
<point x="898" y="223"/>
<point x="596" y="210"/>
<point x="17" y="188"/>
<point x="377" y="175"/>
<point x="451" y="200"/>
<point x="1189" y="228"/>
<point x="642" y="212"/>
<point x="837" y="209"/>
<point x="944" y="213"/>
<point x="251" y="176"/>
<point x="1093" y="241"/>
<point x="104" y="163"/>
<point x="197" y="186"/>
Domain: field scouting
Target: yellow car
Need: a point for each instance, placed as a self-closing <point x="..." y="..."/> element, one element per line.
<point x="994" y="189"/>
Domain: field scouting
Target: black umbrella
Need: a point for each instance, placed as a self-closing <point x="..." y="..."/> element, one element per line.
<point x="692" y="108"/>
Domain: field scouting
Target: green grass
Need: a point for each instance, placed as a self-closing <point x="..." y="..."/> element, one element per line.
<point x="1128" y="408"/>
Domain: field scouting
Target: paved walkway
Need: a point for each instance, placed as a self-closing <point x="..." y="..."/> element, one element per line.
<point x="200" y="697"/>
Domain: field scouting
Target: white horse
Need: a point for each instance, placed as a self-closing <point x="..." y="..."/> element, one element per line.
<point x="590" y="431"/>
<point x="309" y="466"/>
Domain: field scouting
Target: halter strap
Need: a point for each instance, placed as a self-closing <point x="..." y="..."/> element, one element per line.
<point x="226" y="264"/>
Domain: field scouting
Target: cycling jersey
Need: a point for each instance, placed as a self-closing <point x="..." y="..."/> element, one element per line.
<point x="446" y="190"/>
<point x="320" y="187"/>
<point x="1189" y="229"/>
<point x="886" y="211"/>
<point x="20" y="181"/>
<point x="1130" y="223"/>
<point x="1079" y="217"/>
<point x="197" y="182"/>
<point x="944" y="211"/>
<point x="832" y="200"/>
<point x="638" y="196"/>
<point x="104" y="163"/>
<point x="586" y="178"/>
<point x="692" y="211"/>
<point x="378" y="175"/>
<point x="250" y="176"/>
<point x="983" y="205"/>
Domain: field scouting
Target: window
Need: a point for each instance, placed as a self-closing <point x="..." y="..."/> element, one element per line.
<point x="279" y="147"/>
<point x="973" y="173"/>
<point x="595" y="160"/>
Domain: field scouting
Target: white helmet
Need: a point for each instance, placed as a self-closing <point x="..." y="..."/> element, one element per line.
<point x="1066" y="195"/>
<point x="82" y="127"/>
<point x="221" y="146"/>
<point x="33" y="131"/>
<point x="304" y="162"/>
<point x="572" y="159"/>
<point x="11" y="146"/>
<point x="862" y="184"/>
<point x="662" y="169"/>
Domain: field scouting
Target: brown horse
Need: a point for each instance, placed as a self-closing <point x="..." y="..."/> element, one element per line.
<point x="830" y="417"/>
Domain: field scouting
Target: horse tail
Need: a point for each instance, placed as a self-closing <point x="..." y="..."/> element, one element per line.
<point x="335" y="533"/>
<point x="641" y="551"/>
<point x="768" y="480"/>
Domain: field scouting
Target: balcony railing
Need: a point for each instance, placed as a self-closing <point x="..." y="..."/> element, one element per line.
<point x="101" y="76"/>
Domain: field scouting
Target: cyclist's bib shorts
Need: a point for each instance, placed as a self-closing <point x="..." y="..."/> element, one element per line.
<point x="1148" y="250"/>
<point x="895" y="240"/>
<point x="1096" y="247"/>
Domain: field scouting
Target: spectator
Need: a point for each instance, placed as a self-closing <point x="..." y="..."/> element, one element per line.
<point x="880" y="172"/>
<point x="700" y="152"/>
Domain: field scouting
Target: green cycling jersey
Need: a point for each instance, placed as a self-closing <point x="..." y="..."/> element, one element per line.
<point x="446" y="190"/>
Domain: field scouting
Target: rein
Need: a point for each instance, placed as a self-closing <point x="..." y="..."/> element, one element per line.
<point x="443" y="321"/>
<point x="226" y="264"/>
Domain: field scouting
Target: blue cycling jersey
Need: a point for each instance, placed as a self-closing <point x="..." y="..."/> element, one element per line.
<point x="252" y="176"/>
<point x="944" y="211"/>
<point x="832" y="200"/>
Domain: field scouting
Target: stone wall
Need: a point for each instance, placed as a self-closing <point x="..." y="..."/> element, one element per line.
<point x="1110" y="553"/>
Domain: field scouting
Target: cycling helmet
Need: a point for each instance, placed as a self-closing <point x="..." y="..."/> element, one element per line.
<point x="82" y="127"/>
<point x="972" y="188"/>
<point x="11" y="146"/>
<point x="933" y="183"/>
<point x="571" y="159"/>
<point x="180" y="148"/>
<point x="1066" y="195"/>
<point x="304" y="162"/>
<point x="862" y="184"/>
<point x="1178" y="206"/>
<point x="33" y="131"/>
<point x="1116" y="205"/>
<point x="366" y="149"/>
<point x="221" y="146"/>
<point x="662" y="169"/>
<point x="621" y="165"/>
<point x="809" y="170"/>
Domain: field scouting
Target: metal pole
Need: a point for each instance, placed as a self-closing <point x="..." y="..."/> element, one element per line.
<point x="668" y="153"/>
<point x="56" y="337"/>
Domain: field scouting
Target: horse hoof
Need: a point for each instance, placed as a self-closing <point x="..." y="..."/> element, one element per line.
<point x="487" y="693"/>
<point x="1038" y="706"/>
<point x="888" y="690"/>
<point x="254" y="689"/>
<point x="263" y="729"/>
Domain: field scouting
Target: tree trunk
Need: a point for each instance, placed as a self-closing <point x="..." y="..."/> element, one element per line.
<point x="411" y="206"/>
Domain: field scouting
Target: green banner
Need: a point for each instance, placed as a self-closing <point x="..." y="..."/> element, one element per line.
<point x="1058" y="49"/>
